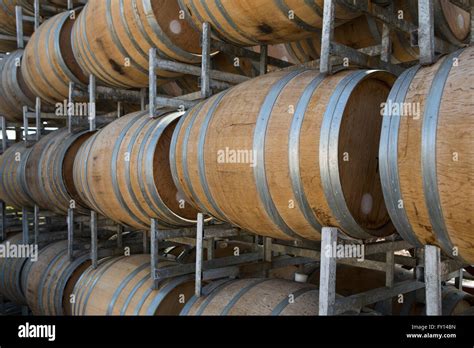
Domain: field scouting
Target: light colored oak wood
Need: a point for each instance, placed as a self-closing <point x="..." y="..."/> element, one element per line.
<point x="50" y="279"/>
<point x="14" y="93"/>
<point x="11" y="272"/>
<point x="451" y="22"/>
<point x="49" y="172"/>
<point x="123" y="172"/>
<point x="121" y="286"/>
<point x="359" y="33"/>
<point x="233" y="190"/>
<point x="257" y="297"/>
<point x="453" y="141"/>
<point x="111" y="39"/>
<point x="49" y="64"/>
<point x="250" y="23"/>
<point x="13" y="188"/>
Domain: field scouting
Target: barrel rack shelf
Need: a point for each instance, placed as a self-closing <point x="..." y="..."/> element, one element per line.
<point x="431" y="267"/>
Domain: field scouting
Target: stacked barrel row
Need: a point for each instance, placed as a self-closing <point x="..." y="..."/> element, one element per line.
<point x="343" y="164"/>
<point x="122" y="172"/>
<point x="42" y="174"/>
<point x="318" y="153"/>
<point x="53" y="284"/>
<point x="111" y="40"/>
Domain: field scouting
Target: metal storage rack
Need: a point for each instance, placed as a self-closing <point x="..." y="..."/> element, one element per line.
<point x="430" y="268"/>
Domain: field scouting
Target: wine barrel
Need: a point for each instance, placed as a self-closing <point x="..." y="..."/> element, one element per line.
<point x="8" y="16"/>
<point x="453" y="302"/>
<point x="301" y="146"/>
<point x="426" y="155"/>
<point x="255" y="296"/>
<point x="451" y="22"/>
<point x="14" y="93"/>
<point x="13" y="188"/>
<point x="261" y="22"/>
<point x="48" y="282"/>
<point x="469" y="312"/>
<point x="49" y="64"/>
<point x="11" y="271"/>
<point x="361" y="32"/>
<point x="49" y="172"/>
<point x="122" y="286"/>
<point x="111" y="39"/>
<point x="123" y="172"/>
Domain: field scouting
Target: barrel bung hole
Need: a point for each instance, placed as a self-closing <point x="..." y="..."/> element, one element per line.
<point x="183" y="35"/>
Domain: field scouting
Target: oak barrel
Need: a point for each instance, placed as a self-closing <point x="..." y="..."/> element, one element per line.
<point x="250" y="23"/>
<point x="13" y="188"/>
<point x="286" y="153"/>
<point x="451" y="22"/>
<point x="111" y="39"/>
<point x="122" y="286"/>
<point x="453" y="302"/>
<point x="361" y="32"/>
<point x="123" y="172"/>
<point x="48" y="282"/>
<point x="14" y="93"/>
<point x="11" y="271"/>
<point x="49" y="64"/>
<point x="255" y="296"/>
<point x="426" y="155"/>
<point x="49" y="171"/>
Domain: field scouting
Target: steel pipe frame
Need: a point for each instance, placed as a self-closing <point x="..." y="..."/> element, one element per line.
<point x="428" y="43"/>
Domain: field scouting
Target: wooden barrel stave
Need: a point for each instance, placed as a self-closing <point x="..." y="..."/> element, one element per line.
<point x="123" y="173"/>
<point x="248" y="24"/>
<point x="13" y="188"/>
<point x="360" y="32"/>
<point x="110" y="34"/>
<point x="49" y="63"/>
<point x="254" y="297"/>
<point x="122" y="286"/>
<point x="433" y="212"/>
<point x="229" y="120"/>
<point x="14" y="93"/>
<point x="46" y="282"/>
<point x="49" y="171"/>
<point x="11" y="272"/>
<point x="451" y="22"/>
